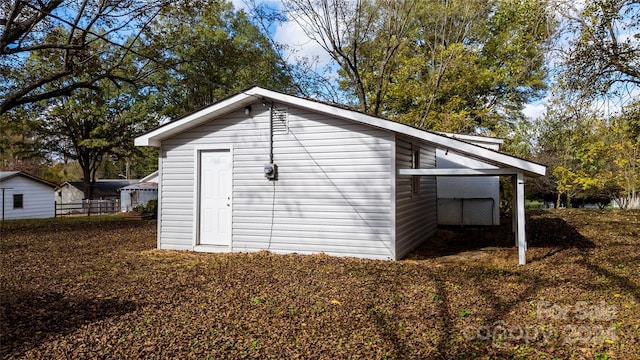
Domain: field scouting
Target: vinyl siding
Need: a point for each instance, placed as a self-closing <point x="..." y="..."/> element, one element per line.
<point x="68" y="194"/>
<point x="38" y="199"/>
<point x="416" y="215"/>
<point x="332" y="194"/>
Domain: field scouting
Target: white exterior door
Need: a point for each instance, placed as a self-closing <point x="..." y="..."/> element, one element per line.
<point x="215" y="198"/>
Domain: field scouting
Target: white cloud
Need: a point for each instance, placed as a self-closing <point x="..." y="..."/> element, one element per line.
<point x="300" y="44"/>
<point x="535" y="110"/>
<point x="292" y="35"/>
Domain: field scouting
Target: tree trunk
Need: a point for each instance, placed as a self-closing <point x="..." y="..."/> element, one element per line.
<point x="87" y="183"/>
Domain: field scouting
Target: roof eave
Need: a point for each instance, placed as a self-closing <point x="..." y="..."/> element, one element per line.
<point x="155" y="137"/>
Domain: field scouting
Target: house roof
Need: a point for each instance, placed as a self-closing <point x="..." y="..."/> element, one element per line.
<point x="144" y="186"/>
<point x="247" y="97"/>
<point x="6" y="175"/>
<point x="150" y="177"/>
<point x="105" y="187"/>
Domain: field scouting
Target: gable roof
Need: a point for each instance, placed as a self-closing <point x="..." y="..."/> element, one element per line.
<point x="145" y="186"/>
<point x="247" y="97"/>
<point x="153" y="177"/>
<point x="6" y="175"/>
<point x="105" y="187"/>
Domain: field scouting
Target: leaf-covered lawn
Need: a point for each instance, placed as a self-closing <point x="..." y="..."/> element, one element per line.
<point x="97" y="288"/>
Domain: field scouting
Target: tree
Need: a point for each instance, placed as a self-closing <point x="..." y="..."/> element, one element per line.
<point x="591" y="158"/>
<point x="444" y="65"/>
<point x="91" y="126"/>
<point x="70" y="32"/>
<point x="473" y="65"/>
<point x="15" y="150"/>
<point x="603" y="55"/>
<point x="209" y="51"/>
<point x="348" y="30"/>
<point x="624" y="130"/>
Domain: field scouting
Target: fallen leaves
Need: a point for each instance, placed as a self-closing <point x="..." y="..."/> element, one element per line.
<point x="97" y="288"/>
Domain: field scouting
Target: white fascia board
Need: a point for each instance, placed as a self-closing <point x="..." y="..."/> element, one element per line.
<point x="150" y="176"/>
<point x="475" y="151"/>
<point x="474" y="138"/>
<point x="459" y="172"/>
<point x="244" y="98"/>
<point x="154" y="137"/>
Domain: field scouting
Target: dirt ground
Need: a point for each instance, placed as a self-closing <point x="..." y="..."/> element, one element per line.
<point x="97" y="288"/>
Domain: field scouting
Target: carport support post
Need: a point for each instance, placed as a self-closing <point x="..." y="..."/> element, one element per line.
<point x="514" y="208"/>
<point x="518" y="213"/>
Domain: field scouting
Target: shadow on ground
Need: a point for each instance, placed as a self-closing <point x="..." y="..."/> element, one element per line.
<point x="28" y="318"/>
<point x="541" y="232"/>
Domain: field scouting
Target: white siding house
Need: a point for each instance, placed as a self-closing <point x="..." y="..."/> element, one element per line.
<point x="338" y="188"/>
<point x="25" y="196"/>
<point x="103" y="189"/>
<point x="140" y="193"/>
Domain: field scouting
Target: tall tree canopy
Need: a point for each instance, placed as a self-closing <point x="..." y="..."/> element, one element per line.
<point x="90" y="126"/>
<point x="602" y="50"/>
<point x="445" y="65"/>
<point x="210" y="51"/>
<point x="363" y="37"/>
<point x="86" y="41"/>
<point x="85" y="76"/>
<point x="591" y="157"/>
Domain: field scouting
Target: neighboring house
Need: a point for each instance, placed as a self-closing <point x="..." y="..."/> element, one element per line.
<point x="266" y="171"/>
<point x="140" y="193"/>
<point x="25" y="196"/>
<point x="151" y="178"/>
<point x="108" y="189"/>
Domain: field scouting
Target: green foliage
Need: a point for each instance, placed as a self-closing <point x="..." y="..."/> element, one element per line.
<point x="209" y="52"/>
<point x="92" y="126"/>
<point x="590" y="158"/>
<point x="465" y="312"/>
<point x="51" y="48"/>
<point x="603" y="50"/>
<point x="152" y="207"/>
<point x="457" y="66"/>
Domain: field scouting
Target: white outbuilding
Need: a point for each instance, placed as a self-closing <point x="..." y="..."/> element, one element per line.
<point x="140" y="193"/>
<point x="25" y="196"/>
<point x="262" y="170"/>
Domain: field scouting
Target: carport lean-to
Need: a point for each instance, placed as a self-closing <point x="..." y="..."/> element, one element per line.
<point x="518" y="216"/>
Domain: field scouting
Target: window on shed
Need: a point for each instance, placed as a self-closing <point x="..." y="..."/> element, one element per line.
<point x="18" y="201"/>
<point x="280" y="121"/>
<point x="415" y="164"/>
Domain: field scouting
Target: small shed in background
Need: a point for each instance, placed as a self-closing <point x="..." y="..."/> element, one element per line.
<point x="25" y="196"/>
<point x="70" y="197"/>
<point x="139" y="194"/>
<point x="107" y="189"/>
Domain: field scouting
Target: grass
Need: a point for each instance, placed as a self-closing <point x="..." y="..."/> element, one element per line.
<point x="97" y="288"/>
